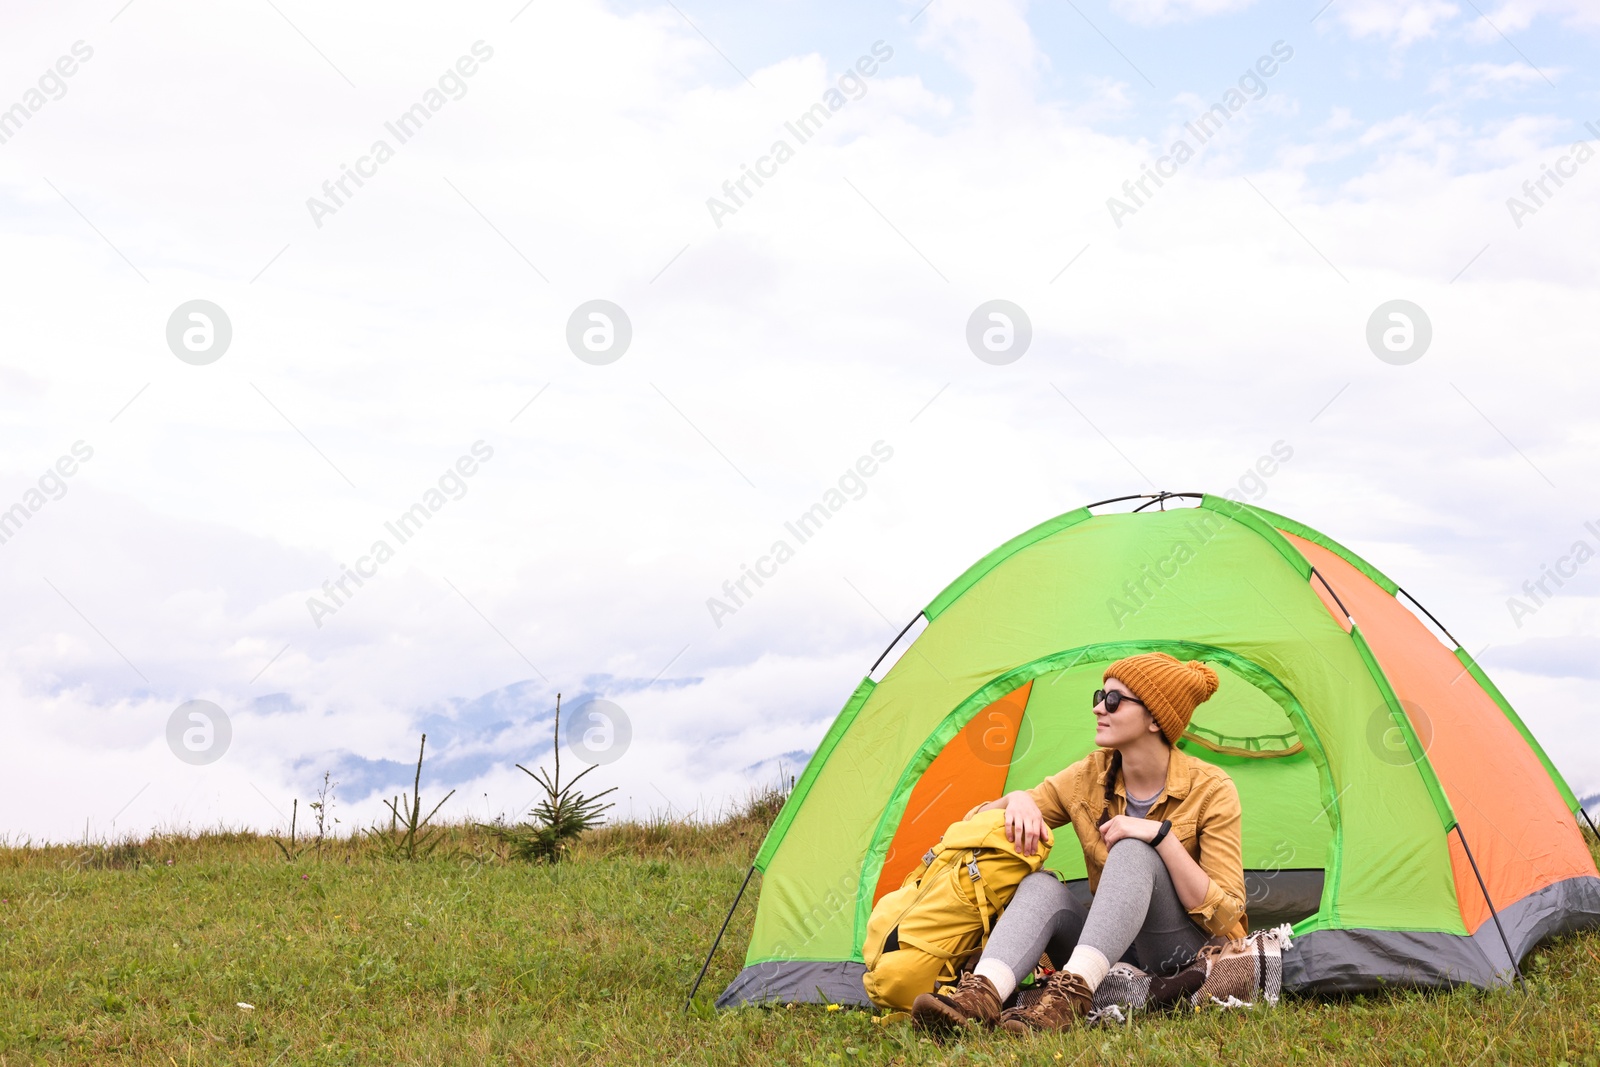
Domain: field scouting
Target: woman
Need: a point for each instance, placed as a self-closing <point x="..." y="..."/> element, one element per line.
<point x="1160" y="836"/>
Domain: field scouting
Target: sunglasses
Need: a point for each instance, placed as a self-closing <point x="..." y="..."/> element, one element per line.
<point x="1113" y="699"/>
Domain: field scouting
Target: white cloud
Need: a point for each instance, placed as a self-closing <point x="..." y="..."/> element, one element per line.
<point x="1109" y="99"/>
<point x="992" y="46"/>
<point x="1515" y="15"/>
<point x="777" y="348"/>
<point x="1483" y="81"/>
<point x="1158" y="12"/>
<point x="1402" y="23"/>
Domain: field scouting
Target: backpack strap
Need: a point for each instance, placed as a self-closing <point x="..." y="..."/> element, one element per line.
<point x="987" y="912"/>
<point x="921" y="945"/>
<point x="947" y="972"/>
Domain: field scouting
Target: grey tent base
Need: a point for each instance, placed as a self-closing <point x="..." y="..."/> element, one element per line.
<point x="1335" y="961"/>
<point x="1323" y="961"/>
<point x="797" y="982"/>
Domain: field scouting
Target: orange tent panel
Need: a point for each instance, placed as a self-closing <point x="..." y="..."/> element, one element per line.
<point x="971" y="769"/>
<point x="1515" y="822"/>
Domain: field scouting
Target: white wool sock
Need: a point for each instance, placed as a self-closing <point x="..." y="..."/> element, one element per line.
<point x="1005" y="983"/>
<point x="1090" y="963"/>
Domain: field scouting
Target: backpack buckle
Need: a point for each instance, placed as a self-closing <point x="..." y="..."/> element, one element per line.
<point x="972" y="867"/>
<point x="928" y="858"/>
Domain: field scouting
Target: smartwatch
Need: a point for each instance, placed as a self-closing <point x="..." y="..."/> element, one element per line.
<point x="1161" y="834"/>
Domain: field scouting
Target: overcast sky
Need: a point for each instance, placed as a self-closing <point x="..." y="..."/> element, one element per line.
<point x="391" y="336"/>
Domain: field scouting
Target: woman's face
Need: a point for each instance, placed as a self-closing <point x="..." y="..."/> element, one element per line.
<point x="1131" y="720"/>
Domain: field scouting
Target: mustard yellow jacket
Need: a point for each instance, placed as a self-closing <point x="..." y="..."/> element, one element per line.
<point x="1202" y="804"/>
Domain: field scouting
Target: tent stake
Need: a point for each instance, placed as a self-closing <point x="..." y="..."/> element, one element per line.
<point x="1496" y="915"/>
<point x="707" y="965"/>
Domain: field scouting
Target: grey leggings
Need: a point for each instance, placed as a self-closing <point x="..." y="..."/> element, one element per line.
<point x="1134" y="905"/>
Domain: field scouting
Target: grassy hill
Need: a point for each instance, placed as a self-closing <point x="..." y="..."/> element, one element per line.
<point x="144" y="952"/>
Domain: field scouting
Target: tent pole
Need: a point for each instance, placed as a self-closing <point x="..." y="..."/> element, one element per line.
<point x="1495" y="914"/>
<point x="1162" y="497"/>
<point x="1588" y="820"/>
<point x="1429" y="614"/>
<point x="1117" y="499"/>
<point x="1335" y="596"/>
<point x="707" y="965"/>
<point x="896" y="641"/>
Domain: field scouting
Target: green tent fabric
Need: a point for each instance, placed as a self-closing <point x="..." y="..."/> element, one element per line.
<point x="1349" y="831"/>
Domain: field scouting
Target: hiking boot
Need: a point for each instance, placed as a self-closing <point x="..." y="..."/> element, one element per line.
<point x="974" y="1001"/>
<point x="1067" y="998"/>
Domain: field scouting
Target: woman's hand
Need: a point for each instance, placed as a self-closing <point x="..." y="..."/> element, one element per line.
<point x="1024" y="822"/>
<point x="1121" y="827"/>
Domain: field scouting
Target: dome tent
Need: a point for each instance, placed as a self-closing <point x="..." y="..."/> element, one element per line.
<point x="1396" y="809"/>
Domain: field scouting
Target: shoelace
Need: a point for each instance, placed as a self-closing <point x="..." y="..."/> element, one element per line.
<point x="1062" y="980"/>
<point x="1057" y="989"/>
<point x="969" y="980"/>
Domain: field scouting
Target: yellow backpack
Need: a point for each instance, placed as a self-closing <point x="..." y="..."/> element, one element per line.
<point x="920" y="934"/>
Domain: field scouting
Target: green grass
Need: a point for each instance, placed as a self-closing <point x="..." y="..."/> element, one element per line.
<point x="141" y="952"/>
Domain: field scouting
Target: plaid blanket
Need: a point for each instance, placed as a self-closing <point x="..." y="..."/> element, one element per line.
<point x="1227" y="974"/>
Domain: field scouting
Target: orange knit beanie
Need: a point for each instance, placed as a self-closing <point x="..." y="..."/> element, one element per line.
<point x="1169" y="688"/>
